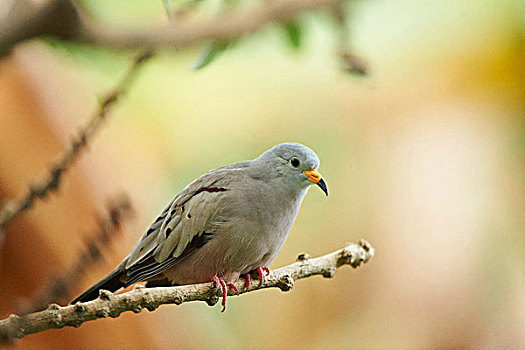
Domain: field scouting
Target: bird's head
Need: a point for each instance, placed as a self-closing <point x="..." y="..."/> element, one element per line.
<point x="296" y="164"/>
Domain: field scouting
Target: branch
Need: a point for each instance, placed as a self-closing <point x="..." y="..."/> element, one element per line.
<point x="28" y="19"/>
<point x="226" y="26"/>
<point x="111" y="305"/>
<point x="62" y="19"/>
<point x="52" y="181"/>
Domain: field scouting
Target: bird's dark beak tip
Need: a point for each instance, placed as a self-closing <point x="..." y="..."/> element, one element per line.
<point x="322" y="185"/>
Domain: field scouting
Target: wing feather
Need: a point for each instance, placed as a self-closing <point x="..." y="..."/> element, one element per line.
<point x="166" y="245"/>
<point x="148" y="241"/>
<point x="188" y="222"/>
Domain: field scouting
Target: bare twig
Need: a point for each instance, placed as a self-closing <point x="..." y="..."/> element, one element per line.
<point x="109" y="228"/>
<point x="111" y="305"/>
<point x="353" y="64"/>
<point x="14" y="207"/>
<point x="80" y="28"/>
<point x="229" y="25"/>
<point x="30" y="19"/>
<point x="42" y="21"/>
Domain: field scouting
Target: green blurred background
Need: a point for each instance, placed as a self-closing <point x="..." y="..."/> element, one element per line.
<point x="424" y="158"/>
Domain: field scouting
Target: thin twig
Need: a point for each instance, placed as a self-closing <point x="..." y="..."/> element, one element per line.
<point x="111" y="305"/>
<point x="14" y="207"/>
<point x="109" y="228"/>
<point x="228" y="25"/>
<point x="78" y="27"/>
<point x="351" y="63"/>
<point x="29" y="19"/>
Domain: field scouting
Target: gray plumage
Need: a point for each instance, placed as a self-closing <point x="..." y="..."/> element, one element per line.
<point x="226" y="223"/>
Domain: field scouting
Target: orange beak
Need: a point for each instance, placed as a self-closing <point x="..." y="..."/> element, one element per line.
<point x="317" y="179"/>
<point x="313" y="175"/>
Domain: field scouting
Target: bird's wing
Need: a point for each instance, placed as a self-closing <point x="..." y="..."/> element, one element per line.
<point x="186" y="224"/>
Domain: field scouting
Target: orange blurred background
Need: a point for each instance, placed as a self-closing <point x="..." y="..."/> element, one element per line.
<point x="425" y="158"/>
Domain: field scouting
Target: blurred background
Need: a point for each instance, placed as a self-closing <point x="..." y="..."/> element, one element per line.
<point x="424" y="157"/>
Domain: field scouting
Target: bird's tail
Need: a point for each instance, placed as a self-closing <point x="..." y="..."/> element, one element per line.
<point x="112" y="282"/>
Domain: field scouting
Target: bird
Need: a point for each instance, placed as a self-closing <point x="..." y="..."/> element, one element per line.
<point x="228" y="223"/>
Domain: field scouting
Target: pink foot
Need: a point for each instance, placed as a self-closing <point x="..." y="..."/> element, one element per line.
<point x="232" y="286"/>
<point x="220" y="282"/>
<point x="260" y="270"/>
<point x="248" y="281"/>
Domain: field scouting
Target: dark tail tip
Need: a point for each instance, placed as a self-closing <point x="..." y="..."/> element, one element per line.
<point x="111" y="282"/>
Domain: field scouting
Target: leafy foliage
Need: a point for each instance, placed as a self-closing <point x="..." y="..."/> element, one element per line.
<point x="210" y="53"/>
<point x="294" y="33"/>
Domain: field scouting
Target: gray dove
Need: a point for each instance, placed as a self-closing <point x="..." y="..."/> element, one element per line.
<point x="229" y="222"/>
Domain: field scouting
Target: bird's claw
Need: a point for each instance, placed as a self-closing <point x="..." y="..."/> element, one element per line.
<point x="232" y="286"/>
<point x="248" y="281"/>
<point x="220" y="284"/>
<point x="260" y="271"/>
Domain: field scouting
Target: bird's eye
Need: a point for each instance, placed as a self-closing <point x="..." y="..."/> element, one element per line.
<point x="295" y="162"/>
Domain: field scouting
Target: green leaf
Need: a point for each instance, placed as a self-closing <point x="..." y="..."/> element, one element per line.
<point x="293" y="33"/>
<point x="210" y="53"/>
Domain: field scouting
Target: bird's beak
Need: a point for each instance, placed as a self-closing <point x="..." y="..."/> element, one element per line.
<point x="317" y="179"/>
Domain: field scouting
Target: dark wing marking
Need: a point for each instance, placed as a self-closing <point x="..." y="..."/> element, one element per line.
<point x="148" y="241"/>
<point x="148" y="267"/>
<point x="211" y="189"/>
<point x="171" y="237"/>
